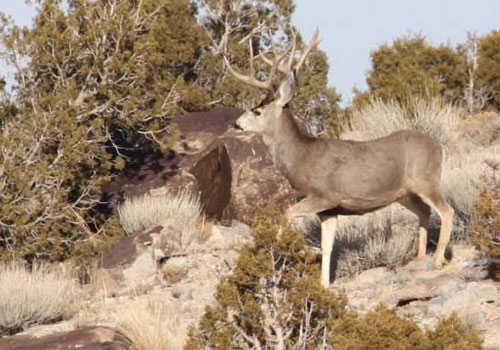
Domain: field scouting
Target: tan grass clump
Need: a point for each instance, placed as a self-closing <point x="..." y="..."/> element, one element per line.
<point x="384" y="238"/>
<point x="42" y="295"/>
<point x="152" y="325"/>
<point x="380" y="118"/>
<point x="140" y="213"/>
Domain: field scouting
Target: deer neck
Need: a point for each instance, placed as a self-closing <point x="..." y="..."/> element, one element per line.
<point x="286" y="143"/>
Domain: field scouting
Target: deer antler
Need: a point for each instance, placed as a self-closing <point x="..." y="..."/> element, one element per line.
<point x="251" y="79"/>
<point x="289" y="66"/>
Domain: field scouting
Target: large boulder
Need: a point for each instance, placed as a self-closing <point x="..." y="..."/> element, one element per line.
<point x="231" y="171"/>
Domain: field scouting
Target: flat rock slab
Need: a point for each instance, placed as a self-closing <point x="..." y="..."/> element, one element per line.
<point x="89" y="338"/>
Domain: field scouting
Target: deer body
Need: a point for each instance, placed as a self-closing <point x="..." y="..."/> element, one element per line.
<point x="350" y="177"/>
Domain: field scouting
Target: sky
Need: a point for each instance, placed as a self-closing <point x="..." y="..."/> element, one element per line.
<point x="350" y="29"/>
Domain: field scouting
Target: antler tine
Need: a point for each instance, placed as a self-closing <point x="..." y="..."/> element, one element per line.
<point x="250" y="80"/>
<point x="283" y="69"/>
<point x="312" y="44"/>
<point x="250" y="48"/>
<point x="292" y="53"/>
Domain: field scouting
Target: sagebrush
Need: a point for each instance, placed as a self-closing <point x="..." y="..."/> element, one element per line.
<point x="43" y="295"/>
<point x="152" y="325"/>
<point x="140" y="213"/>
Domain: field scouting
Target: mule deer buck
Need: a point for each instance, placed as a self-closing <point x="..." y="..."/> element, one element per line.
<point x="339" y="177"/>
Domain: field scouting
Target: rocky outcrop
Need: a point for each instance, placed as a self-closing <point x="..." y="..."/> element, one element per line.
<point x="231" y="170"/>
<point x="426" y="294"/>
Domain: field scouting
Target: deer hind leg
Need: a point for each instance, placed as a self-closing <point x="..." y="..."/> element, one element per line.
<point x="423" y="212"/>
<point x="435" y="200"/>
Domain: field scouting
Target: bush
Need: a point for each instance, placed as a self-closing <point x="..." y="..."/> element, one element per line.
<point x="140" y="213"/>
<point x="151" y="325"/>
<point x="488" y="67"/>
<point x="412" y="67"/>
<point x="43" y="295"/>
<point x="274" y="300"/>
<point x="383" y="329"/>
<point x="81" y="111"/>
<point x="485" y="230"/>
<point x="384" y="238"/>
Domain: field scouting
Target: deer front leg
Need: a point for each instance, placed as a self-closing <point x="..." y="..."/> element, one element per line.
<point x="313" y="205"/>
<point x="328" y="228"/>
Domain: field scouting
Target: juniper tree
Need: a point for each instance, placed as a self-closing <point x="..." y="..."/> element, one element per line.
<point x="230" y="25"/>
<point x="488" y="65"/>
<point x="411" y="67"/>
<point x="94" y="80"/>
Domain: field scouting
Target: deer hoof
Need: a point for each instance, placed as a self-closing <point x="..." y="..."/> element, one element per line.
<point x="422" y="258"/>
<point x="438" y="263"/>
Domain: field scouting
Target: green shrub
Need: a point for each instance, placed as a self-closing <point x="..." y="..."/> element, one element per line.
<point x="113" y="75"/>
<point x="411" y="67"/>
<point x="488" y="67"/>
<point x="274" y="300"/>
<point x="485" y="230"/>
<point x="383" y="329"/>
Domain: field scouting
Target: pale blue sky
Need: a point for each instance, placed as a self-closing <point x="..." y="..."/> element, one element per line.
<point x="350" y="29"/>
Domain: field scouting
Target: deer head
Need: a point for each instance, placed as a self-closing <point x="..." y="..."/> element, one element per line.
<point x="261" y="119"/>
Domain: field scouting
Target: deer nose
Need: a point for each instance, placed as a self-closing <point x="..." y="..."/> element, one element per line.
<point x="237" y="125"/>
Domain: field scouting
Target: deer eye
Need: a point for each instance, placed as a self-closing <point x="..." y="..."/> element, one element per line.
<point x="257" y="111"/>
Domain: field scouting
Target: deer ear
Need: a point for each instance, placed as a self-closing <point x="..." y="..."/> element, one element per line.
<point x="287" y="90"/>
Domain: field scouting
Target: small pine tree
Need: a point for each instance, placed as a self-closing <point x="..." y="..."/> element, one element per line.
<point x="95" y="81"/>
<point x="273" y="299"/>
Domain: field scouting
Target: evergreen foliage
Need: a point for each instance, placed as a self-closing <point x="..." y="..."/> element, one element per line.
<point x="96" y="84"/>
<point x="485" y="230"/>
<point x="94" y="81"/>
<point x="488" y="67"/>
<point x="231" y="25"/>
<point x="411" y="67"/>
<point x="274" y="300"/>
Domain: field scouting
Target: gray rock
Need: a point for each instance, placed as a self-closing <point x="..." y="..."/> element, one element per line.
<point x="378" y="276"/>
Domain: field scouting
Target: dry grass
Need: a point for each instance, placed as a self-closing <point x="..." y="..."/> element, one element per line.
<point x="152" y="325"/>
<point x="44" y="295"/>
<point x="380" y="118"/>
<point x="140" y="213"/>
<point x="384" y="238"/>
<point x="173" y="274"/>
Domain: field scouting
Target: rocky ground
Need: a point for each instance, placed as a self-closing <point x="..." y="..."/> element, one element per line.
<point x="423" y="293"/>
<point x="187" y="283"/>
